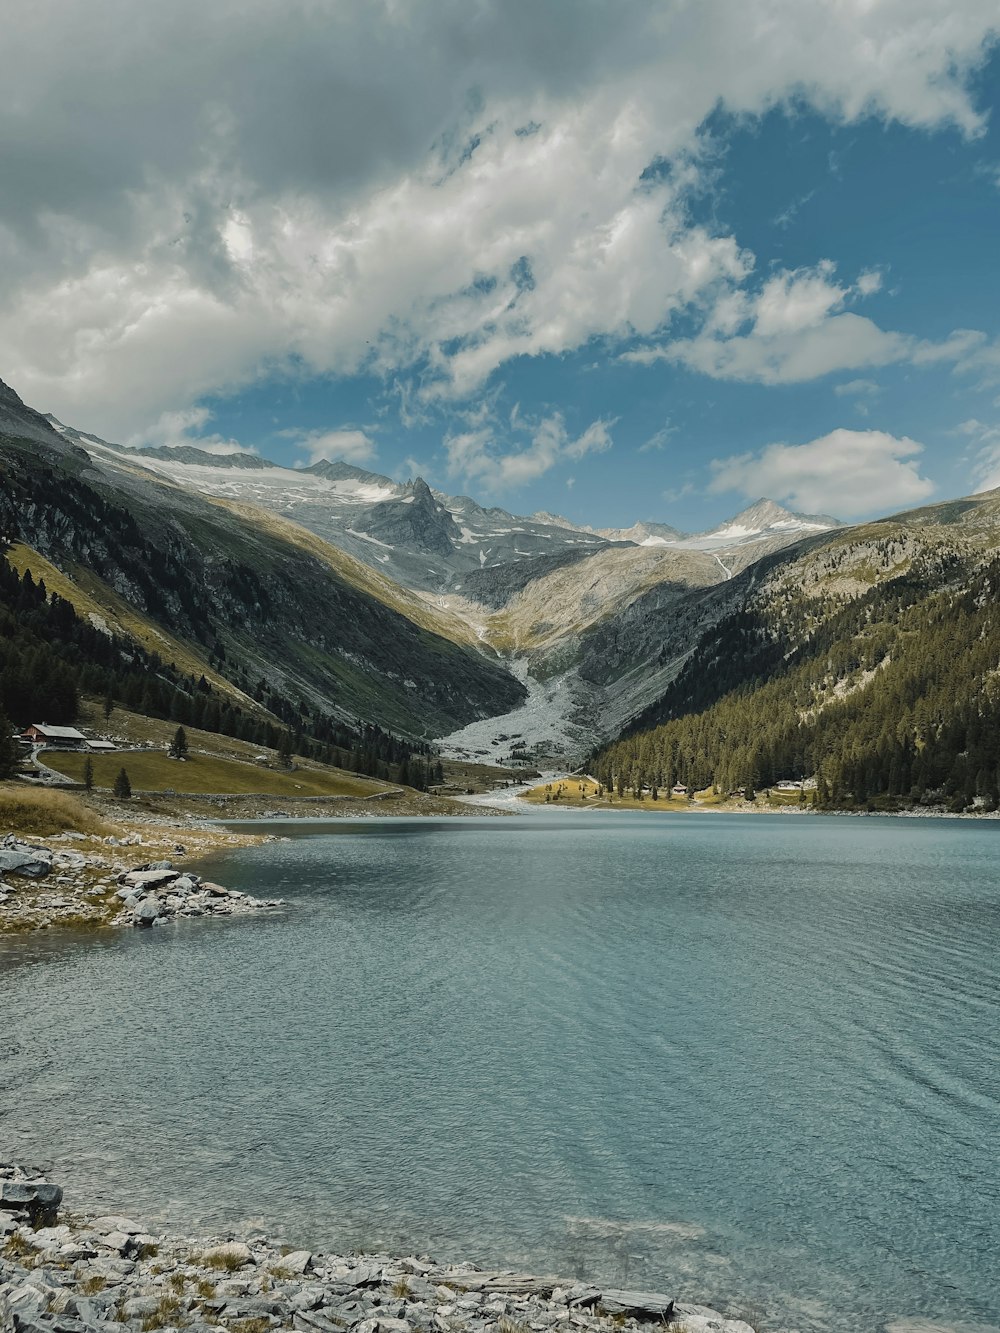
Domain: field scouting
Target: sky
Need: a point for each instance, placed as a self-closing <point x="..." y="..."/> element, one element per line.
<point x="615" y="259"/>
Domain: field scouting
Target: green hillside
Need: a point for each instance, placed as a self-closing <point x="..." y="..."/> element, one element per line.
<point x="871" y="661"/>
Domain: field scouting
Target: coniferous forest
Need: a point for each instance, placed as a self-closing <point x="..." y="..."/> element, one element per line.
<point x="893" y="700"/>
<point x="50" y="657"/>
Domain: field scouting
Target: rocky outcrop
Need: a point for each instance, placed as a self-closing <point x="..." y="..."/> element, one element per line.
<point x="57" y="885"/>
<point x="113" y="1275"/>
<point x="153" y="894"/>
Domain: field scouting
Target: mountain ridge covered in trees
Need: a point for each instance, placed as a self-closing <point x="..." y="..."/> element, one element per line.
<point x="870" y="662"/>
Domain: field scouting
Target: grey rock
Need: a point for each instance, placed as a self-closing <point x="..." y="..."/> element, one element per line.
<point x="28" y="863"/>
<point x="31" y="1194"/>
<point x="310" y="1322"/>
<point x="149" y="879"/>
<point x="309" y="1298"/>
<point x="147" y="912"/>
<point x="582" y="1296"/>
<point x="232" y="1250"/>
<point x="637" y="1304"/>
<point x="115" y="1222"/>
<point x="296" y="1263"/>
<point x="138" y="1307"/>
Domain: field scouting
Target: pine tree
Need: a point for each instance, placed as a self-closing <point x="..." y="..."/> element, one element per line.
<point x="122" y="788"/>
<point x="109" y="703"/>
<point x="8" y="749"/>
<point x="88" y="774"/>
<point x="179" y="745"/>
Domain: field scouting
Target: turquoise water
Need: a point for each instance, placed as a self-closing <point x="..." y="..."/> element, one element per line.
<point x="750" y="1060"/>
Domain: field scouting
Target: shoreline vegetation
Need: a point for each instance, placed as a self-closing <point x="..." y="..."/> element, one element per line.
<point x="109" y="1274"/>
<point x="582" y="792"/>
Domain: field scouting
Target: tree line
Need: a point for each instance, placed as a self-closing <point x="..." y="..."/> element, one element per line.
<point x="892" y="698"/>
<point x="50" y="657"/>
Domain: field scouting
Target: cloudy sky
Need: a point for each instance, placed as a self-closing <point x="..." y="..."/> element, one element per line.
<point x="619" y="259"/>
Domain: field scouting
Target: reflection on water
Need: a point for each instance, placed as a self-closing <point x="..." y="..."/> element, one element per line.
<point x="753" y="1061"/>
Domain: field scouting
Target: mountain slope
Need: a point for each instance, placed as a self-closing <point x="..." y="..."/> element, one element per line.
<point x="265" y="606"/>
<point x="870" y="658"/>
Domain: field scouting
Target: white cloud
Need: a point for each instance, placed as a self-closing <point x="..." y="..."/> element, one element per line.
<point x="857" y="388"/>
<point x="350" y="445"/>
<point x="795" y="328"/>
<point x="244" y="187"/>
<point x="986" y="460"/>
<point x="477" y="456"/>
<point x="848" y="473"/>
<point x="185" y="428"/>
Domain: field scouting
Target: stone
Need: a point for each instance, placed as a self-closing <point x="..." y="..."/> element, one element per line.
<point x="39" y="1197"/>
<point x="582" y="1296"/>
<point x="24" y="862"/>
<point x="236" y="1250"/>
<point x="216" y="890"/>
<point x="637" y="1304"/>
<point x="147" y="912"/>
<point x="309" y="1298"/>
<point x="149" y="879"/>
<point x="115" y="1222"/>
<point x="314" y="1323"/>
<point x="137" y="1307"/>
<point x="296" y="1263"/>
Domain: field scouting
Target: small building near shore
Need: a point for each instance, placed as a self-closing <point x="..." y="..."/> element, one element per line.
<point x="63" y="738"/>
<point x="101" y="746"/>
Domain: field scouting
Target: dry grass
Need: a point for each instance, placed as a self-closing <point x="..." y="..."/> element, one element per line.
<point x="41" y="813"/>
<point x="255" y="1324"/>
<point x="152" y="770"/>
<point x="169" y="1313"/>
<point x="221" y="1263"/>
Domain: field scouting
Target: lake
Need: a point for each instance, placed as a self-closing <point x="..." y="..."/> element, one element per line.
<point x="752" y="1061"/>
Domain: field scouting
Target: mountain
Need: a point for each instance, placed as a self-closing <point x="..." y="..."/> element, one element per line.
<point x="643" y="534"/>
<point x="244" y="596"/>
<point x="867" y="657"/>
<point x="576" y="616"/>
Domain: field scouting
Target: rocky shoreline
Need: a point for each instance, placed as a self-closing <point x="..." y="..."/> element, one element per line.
<point x="110" y="1274"/>
<point x="71" y="880"/>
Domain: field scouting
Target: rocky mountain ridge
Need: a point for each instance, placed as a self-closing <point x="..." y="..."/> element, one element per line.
<point x="266" y="606"/>
<point x="591" y="628"/>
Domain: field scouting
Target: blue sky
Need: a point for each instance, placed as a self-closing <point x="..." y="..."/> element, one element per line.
<point x="617" y="261"/>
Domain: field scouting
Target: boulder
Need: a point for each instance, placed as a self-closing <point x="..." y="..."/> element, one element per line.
<point x="149" y="879"/>
<point x="637" y="1304"/>
<point x="296" y="1263"/>
<point x="230" y="1250"/>
<point x="216" y="890"/>
<point x="29" y="863"/>
<point x="37" y="1196"/>
<point x="147" y="912"/>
